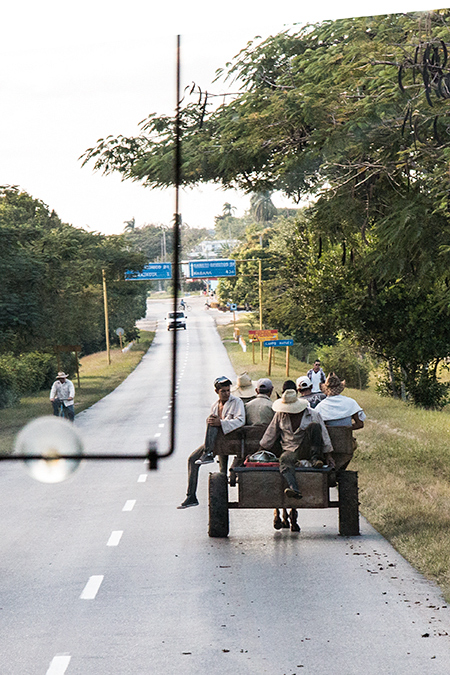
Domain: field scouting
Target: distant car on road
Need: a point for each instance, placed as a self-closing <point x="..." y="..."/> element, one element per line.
<point x="176" y="320"/>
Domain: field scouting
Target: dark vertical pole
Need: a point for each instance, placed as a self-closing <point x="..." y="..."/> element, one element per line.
<point x="176" y="244"/>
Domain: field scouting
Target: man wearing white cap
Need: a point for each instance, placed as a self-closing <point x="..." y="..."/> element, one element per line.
<point x="303" y="435"/>
<point x="259" y="410"/>
<point x="304" y="388"/>
<point x="63" y="390"/>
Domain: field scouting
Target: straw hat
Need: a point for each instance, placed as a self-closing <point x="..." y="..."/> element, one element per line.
<point x="333" y="385"/>
<point x="244" y="388"/>
<point x="61" y="374"/>
<point x="289" y="403"/>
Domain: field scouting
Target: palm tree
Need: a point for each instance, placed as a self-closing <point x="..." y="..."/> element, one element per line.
<point x="228" y="210"/>
<point x="129" y="225"/>
<point x="262" y="207"/>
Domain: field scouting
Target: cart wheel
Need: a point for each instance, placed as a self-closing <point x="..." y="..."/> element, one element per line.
<point x="218" y="505"/>
<point x="348" y="503"/>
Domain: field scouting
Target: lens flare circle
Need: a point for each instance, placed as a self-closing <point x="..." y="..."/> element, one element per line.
<point x="51" y="437"/>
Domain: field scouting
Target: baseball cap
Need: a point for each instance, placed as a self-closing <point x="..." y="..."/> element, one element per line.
<point x="303" y="382"/>
<point x="264" y="384"/>
<point x="221" y="382"/>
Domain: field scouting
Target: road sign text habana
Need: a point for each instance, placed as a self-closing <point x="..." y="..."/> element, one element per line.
<point x="206" y="269"/>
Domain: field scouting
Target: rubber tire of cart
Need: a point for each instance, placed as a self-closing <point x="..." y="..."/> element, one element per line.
<point x="219" y="525"/>
<point x="348" y="503"/>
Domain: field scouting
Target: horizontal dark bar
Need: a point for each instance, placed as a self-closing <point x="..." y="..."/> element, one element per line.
<point x="22" y="458"/>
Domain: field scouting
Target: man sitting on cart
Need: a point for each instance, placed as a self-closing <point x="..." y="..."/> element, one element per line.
<point x="259" y="410"/>
<point x="227" y="414"/>
<point x="303" y="435"/>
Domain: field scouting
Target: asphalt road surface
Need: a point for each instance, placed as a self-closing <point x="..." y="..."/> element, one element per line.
<point x="102" y="575"/>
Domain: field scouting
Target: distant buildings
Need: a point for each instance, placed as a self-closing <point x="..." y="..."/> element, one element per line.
<point x="213" y="248"/>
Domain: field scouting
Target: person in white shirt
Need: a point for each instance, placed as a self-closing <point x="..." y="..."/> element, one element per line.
<point x="63" y="390"/>
<point x="317" y="376"/>
<point x="228" y="414"/>
<point x="337" y="410"/>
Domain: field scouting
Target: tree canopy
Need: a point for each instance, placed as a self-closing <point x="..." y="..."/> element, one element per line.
<point x="355" y="114"/>
<point x="51" y="279"/>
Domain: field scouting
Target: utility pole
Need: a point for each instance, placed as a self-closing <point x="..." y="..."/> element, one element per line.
<point x="105" y="303"/>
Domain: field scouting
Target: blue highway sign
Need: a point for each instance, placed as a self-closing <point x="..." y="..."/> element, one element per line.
<point x="278" y="343"/>
<point x="151" y="271"/>
<point x="206" y="269"/>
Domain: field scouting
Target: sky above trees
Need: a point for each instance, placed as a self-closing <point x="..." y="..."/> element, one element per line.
<point x="74" y="74"/>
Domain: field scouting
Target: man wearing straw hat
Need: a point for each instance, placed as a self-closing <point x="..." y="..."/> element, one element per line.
<point x="244" y="388"/>
<point x="63" y="390"/>
<point x="303" y="435"/>
<point x="338" y="410"/>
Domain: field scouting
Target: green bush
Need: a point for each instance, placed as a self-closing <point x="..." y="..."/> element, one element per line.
<point x="344" y="360"/>
<point x="25" y="374"/>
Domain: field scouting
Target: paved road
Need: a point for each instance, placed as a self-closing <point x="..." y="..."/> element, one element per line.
<point x="102" y="575"/>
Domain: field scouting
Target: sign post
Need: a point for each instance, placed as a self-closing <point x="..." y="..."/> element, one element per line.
<point x="279" y="343"/>
<point x="120" y="332"/>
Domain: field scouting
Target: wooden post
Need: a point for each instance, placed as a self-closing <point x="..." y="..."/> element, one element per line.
<point x="105" y="303"/>
<point x="78" y="369"/>
<point x="269" y="366"/>
<point x="260" y="305"/>
<point x="120" y="340"/>
<point x="253" y="351"/>
<point x="287" y="361"/>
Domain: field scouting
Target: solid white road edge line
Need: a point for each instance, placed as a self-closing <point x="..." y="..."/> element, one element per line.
<point x="129" y="505"/>
<point x="92" y="586"/>
<point x="58" y="664"/>
<point x="114" y="538"/>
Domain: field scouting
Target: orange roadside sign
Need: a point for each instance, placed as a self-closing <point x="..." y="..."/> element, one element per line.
<point x="263" y="334"/>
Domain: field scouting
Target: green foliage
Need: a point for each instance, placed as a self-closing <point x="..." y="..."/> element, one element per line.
<point x="51" y="279"/>
<point x="347" y="362"/>
<point x="25" y="374"/>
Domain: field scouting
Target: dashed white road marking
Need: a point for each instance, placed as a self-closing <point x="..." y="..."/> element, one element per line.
<point x="164" y="417"/>
<point x="58" y="664"/>
<point x="157" y="435"/>
<point x="161" y="426"/>
<point x="92" y="586"/>
<point x="142" y="478"/>
<point x="129" y="505"/>
<point x="114" y="538"/>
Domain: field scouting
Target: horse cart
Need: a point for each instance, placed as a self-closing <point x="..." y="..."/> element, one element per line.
<point x="262" y="487"/>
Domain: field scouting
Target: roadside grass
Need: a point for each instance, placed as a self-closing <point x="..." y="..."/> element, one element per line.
<point x="97" y="379"/>
<point x="403" y="463"/>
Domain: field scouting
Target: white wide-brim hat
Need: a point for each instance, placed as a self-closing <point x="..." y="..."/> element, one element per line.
<point x="245" y="387"/>
<point x="289" y="403"/>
